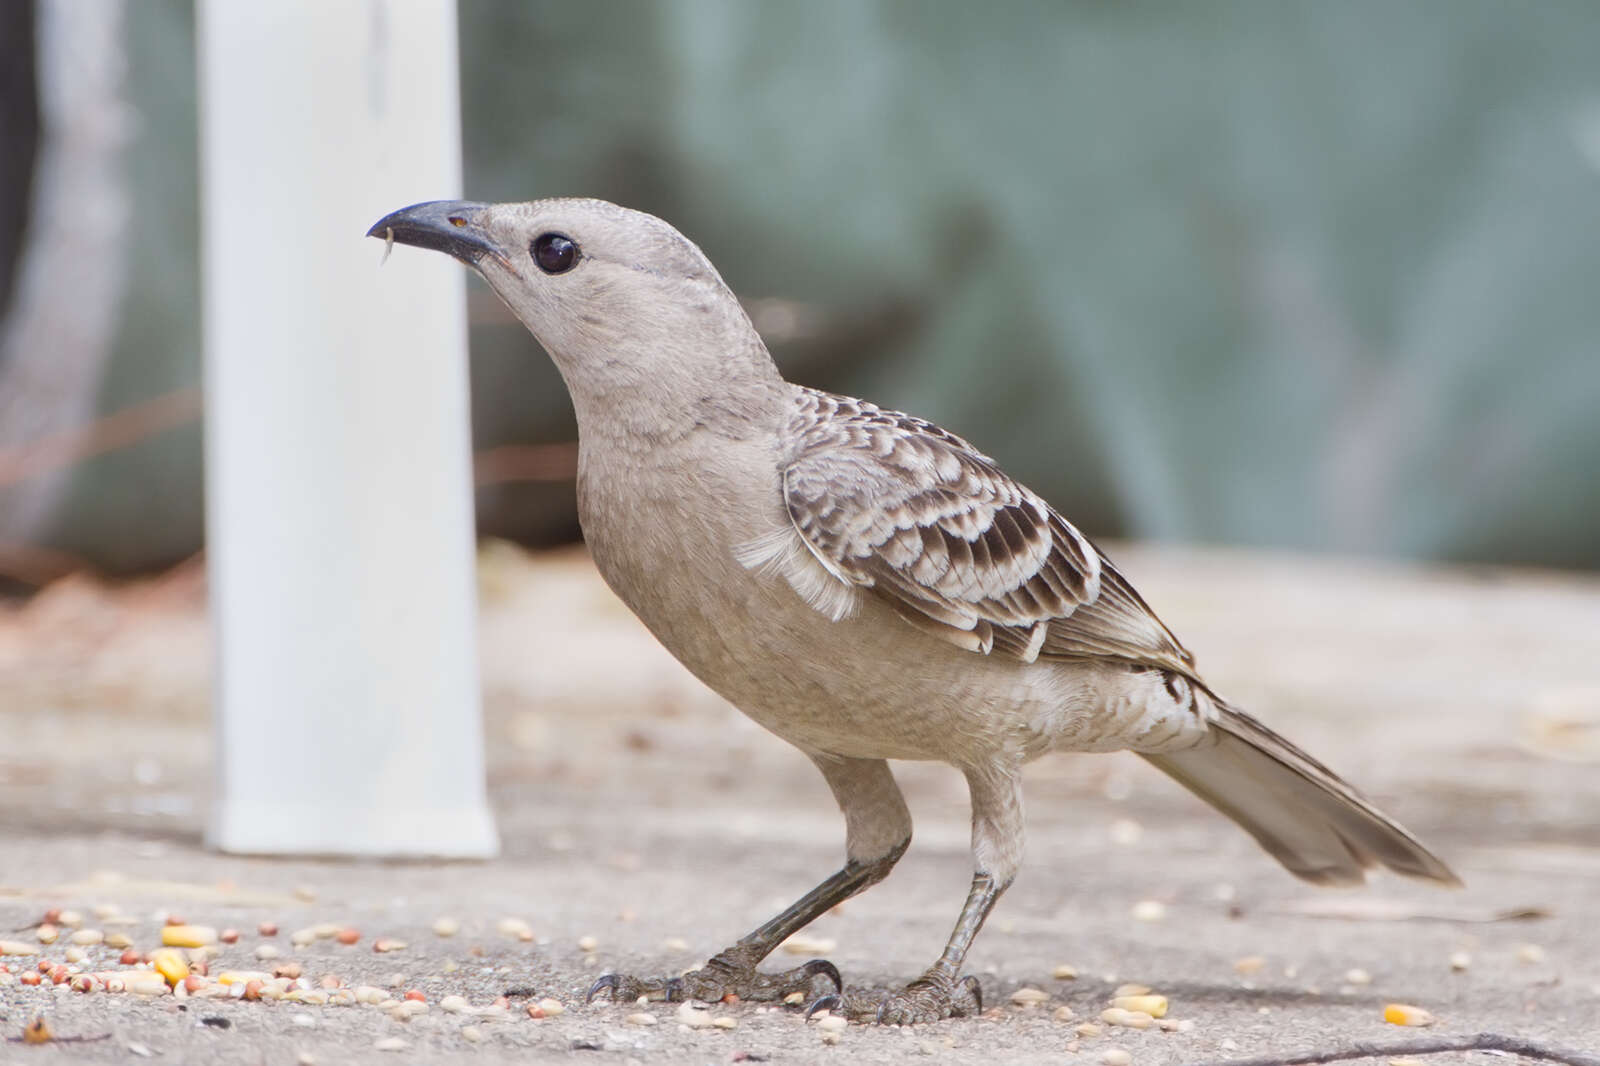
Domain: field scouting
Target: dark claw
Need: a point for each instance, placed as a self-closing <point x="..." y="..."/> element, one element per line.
<point x="822" y="1003"/>
<point x="674" y="988"/>
<point x="826" y="969"/>
<point x="970" y="983"/>
<point x="604" y="981"/>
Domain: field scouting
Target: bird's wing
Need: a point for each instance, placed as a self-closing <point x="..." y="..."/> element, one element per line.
<point x="889" y="505"/>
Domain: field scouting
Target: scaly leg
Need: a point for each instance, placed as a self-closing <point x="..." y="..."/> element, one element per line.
<point x="877" y="832"/>
<point x="997" y="851"/>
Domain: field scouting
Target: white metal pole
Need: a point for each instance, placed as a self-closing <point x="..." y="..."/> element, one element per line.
<point x="339" y="507"/>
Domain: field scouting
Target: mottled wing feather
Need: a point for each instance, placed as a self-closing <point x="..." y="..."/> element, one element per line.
<point x="899" y="506"/>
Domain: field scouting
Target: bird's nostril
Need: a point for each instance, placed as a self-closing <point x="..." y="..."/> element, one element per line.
<point x="457" y="221"/>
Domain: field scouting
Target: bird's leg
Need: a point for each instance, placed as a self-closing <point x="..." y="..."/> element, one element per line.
<point x="878" y="831"/>
<point x="997" y="851"/>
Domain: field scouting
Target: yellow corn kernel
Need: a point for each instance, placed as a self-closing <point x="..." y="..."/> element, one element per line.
<point x="170" y="965"/>
<point x="188" y="936"/>
<point x="1155" y="1006"/>
<point x="1406" y="1014"/>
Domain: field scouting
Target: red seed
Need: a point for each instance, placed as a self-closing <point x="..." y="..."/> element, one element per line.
<point x="173" y="919"/>
<point x="417" y="994"/>
<point x="267" y="928"/>
<point x="84" y="983"/>
<point x="30" y="978"/>
<point x="44" y="965"/>
<point x="229" y="936"/>
<point x="59" y="975"/>
<point x="194" y="983"/>
<point x="52" y="916"/>
<point x="129" y="958"/>
<point x="331" y="982"/>
<point x="252" y="988"/>
<point x="349" y="936"/>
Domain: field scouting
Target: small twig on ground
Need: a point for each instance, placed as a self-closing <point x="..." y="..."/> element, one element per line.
<point x="1515" y="1045"/>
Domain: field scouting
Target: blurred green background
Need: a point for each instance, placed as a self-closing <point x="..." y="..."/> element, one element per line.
<point x="1309" y="275"/>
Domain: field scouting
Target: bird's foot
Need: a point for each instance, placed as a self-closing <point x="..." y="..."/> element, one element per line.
<point x="930" y="998"/>
<point x="728" y="973"/>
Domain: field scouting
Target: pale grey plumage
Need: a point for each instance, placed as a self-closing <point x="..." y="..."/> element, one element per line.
<point x="864" y="583"/>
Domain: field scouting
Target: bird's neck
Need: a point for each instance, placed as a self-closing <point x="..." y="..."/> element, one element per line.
<point x="640" y="406"/>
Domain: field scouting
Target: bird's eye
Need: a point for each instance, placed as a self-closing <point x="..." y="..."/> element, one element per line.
<point x="554" y="253"/>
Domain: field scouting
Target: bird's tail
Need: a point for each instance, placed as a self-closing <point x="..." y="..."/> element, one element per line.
<point x="1320" y="828"/>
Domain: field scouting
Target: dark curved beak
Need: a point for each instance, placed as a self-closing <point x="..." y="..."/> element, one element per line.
<point x="449" y="226"/>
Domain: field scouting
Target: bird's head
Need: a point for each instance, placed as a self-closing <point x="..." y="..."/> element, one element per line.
<point x="620" y="299"/>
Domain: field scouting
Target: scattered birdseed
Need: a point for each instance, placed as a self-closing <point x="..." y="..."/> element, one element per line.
<point x="794" y="999"/>
<point x="305" y="893"/>
<point x="118" y="941"/>
<point x="47" y="933"/>
<point x="17" y="947"/>
<point x="1155" y="1006"/>
<point x="267" y="929"/>
<point x="515" y="927"/>
<point x="1127" y="1019"/>
<point x="1062" y="1014"/>
<point x="303" y="937"/>
<point x="1115" y="1056"/>
<point x="390" y="1043"/>
<point x="170" y="965"/>
<point x="725" y="1022"/>
<point x="385" y="944"/>
<point x="1088" y="1029"/>
<point x="1176" y="1025"/>
<point x="552" y="1007"/>
<point x="1065" y="973"/>
<point x="833" y="1023"/>
<point x="800" y="944"/>
<point x="266" y="951"/>
<point x="1406" y="1014"/>
<point x="1530" y="954"/>
<point x="348" y="936"/>
<point x="407" y="1009"/>
<point x="1029" y="997"/>
<point x="1149" y="910"/>
<point x="1249" y="964"/>
<point x="146" y="983"/>
<point x="1460" y="961"/>
<point x="70" y="919"/>
<point x="1357" y="977"/>
<point x="830" y="1037"/>
<point x="675" y="943"/>
<point x="587" y="943"/>
<point x="75" y="955"/>
<point x="446" y="927"/>
<point x="454" y="1005"/>
<point x="87" y="936"/>
<point x="1130" y="989"/>
<point x="471" y="1034"/>
<point x="188" y="936"/>
<point x="694" y="1017"/>
<point x="640" y="1018"/>
<point x="229" y="936"/>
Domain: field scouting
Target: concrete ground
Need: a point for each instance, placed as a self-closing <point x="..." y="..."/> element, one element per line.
<point x="638" y="810"/>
